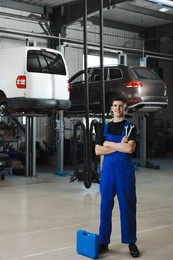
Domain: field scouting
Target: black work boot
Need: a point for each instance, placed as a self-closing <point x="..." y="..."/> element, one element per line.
<point x="103" y="248"/>
<point x="134" y="252"/>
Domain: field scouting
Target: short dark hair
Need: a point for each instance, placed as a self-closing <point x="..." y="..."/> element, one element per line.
<point x="119" y="98"/>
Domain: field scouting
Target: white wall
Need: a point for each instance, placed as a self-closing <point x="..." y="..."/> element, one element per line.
<point x="14" y="23"/>
<point x="113" y="40"/>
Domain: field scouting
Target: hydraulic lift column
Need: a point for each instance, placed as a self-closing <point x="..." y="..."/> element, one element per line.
<point x="60" y="142"/>
<point x="30" y="146"/>
<point x="142" y="127"/>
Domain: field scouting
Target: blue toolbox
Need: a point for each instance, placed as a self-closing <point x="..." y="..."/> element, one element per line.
<point x="87" y="244"/>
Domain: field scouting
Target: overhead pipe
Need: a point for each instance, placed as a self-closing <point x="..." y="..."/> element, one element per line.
<point x="31" y="17"/>
<point x="158" y="57"/>
<point x="43" y="36"/>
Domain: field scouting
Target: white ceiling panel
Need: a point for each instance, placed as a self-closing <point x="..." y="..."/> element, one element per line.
<point x="137" y="13"/>
<point x="134" y="18"/>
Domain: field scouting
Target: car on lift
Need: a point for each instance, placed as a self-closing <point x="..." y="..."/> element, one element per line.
<point x="34" y="80"/>
<point x="143" y="89"/>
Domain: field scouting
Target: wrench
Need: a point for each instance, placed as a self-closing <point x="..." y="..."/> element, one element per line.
<point x="126" y="130"/>
<point x="131" y="127"/>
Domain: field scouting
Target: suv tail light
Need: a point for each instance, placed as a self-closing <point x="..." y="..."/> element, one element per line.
<point x="134" y="84"/>
<point x="165" y="89"/>
<point x="21" y="81"/>
<point x="68" y="85"/>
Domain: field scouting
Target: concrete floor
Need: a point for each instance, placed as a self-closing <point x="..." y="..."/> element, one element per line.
<point x="39" y="216"/>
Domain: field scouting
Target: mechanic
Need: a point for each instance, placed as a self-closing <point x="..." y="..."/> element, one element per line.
<point x="117" y="141"/>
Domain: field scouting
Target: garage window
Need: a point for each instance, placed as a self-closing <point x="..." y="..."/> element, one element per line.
<point x="94" y="60"/>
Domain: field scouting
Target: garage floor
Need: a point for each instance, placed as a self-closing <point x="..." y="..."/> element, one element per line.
<point x="39" y="216"/>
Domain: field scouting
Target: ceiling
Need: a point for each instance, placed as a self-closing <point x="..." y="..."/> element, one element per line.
<point x="133" y="15"/>
<point x="140" y="13"/>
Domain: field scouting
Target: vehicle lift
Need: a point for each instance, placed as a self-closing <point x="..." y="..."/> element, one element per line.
<point x="30" y="149"/>
<point x="30" y="161"/>
<point x="142" y="126"/>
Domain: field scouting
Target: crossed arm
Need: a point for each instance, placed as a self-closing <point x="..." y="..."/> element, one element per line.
<point x="108" y="147"/>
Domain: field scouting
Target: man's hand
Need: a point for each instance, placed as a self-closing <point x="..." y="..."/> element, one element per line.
<point x="124" y="139"/>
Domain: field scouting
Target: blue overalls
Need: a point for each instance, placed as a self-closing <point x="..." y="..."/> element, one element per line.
<point x="117" y="178"/>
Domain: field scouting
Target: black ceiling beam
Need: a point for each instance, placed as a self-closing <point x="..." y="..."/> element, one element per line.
<point x="118" y="25"/>
<point x="165" y="30"/>
<point x="159" y="32"/>
<point x="72" y="12"/>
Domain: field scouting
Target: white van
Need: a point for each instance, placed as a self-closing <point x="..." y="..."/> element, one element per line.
<point x="33" y="80"/>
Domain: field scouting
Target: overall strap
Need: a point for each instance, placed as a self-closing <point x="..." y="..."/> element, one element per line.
<point x="127" y="123"/>
<point x="105" y="129"/>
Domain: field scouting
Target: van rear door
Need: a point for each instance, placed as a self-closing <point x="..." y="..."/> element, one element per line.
<point x="46" y="75"/>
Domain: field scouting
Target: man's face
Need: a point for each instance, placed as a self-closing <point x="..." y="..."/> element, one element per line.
<point x="118" y="108"/>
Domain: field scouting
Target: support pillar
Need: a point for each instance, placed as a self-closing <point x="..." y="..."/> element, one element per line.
<point x="142" y="125"/>
<point x="60" y="141"/>
<point x="30" y="146"/>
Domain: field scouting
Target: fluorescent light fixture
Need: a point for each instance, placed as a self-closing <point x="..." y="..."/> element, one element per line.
<point x="164" y="9"/>
<point x="163" y="2"/>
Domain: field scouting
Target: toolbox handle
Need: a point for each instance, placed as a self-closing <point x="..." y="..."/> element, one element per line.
<point x="85" y="233"/>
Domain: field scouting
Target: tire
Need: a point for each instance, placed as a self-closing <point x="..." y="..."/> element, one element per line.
<point x="3" y="109"/>
<point x="87" y="178"/>
<point x="2" y="177"/>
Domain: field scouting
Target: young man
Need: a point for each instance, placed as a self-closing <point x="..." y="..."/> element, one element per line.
<point x="117" y="141"/>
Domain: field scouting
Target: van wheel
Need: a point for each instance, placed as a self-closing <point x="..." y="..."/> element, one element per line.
<point x="2" y="110"/>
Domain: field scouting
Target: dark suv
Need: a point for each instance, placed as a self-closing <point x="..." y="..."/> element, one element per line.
<point x="140" y="86"/>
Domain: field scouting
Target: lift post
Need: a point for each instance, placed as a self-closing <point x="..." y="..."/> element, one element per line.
<point x="142" y="125"/>
<point x="30" y="146"/>
<point x="60" y="141"/>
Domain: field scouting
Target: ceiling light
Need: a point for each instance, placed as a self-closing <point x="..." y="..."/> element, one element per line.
<point x="163" y="9"/>
<point x="163" y="2"/>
